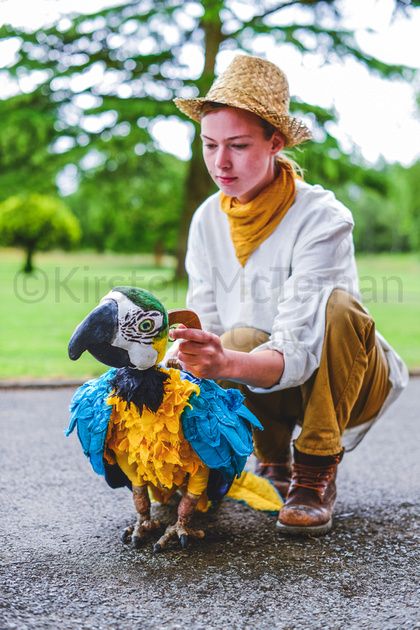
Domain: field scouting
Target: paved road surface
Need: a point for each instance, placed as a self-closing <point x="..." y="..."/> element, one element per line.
<point x="63" y="567"/>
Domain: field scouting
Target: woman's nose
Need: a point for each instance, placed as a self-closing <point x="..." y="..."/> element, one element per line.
<point x="222" y="158"/>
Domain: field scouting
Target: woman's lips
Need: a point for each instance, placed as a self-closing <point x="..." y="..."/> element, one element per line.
<point x="226" y="180"/>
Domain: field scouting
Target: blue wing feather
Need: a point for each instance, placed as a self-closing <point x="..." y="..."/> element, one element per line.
<point x="90" y="413"/>
<point x="219" y="427"/>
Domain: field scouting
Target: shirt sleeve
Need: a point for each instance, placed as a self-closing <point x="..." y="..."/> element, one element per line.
<point x="200" y="294"/>
<point x="322" y="257"/>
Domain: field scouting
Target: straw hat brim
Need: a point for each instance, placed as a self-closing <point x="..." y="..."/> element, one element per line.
<point x="294" y="130"/>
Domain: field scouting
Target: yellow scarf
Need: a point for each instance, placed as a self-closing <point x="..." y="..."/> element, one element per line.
<point x="252" y="223"/>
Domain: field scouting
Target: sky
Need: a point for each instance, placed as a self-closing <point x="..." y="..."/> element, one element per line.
<point x="379" y="116"/>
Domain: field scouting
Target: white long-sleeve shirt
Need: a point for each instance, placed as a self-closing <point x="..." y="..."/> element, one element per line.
<point x="285" y="284"/>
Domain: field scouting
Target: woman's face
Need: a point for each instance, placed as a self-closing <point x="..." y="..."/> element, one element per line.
<point x="237" y="155"/>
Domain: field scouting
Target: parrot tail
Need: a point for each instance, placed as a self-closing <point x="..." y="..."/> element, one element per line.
<point x="256" y="492"/>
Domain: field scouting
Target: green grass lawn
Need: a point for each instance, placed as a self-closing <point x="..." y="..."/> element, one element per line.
<point x="390" y="286"/>
<point x="39" y="313"/>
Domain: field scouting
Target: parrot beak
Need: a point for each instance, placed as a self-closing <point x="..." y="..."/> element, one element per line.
<point x="96" y="334"/>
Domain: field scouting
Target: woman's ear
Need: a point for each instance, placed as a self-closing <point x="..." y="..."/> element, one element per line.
<point x="277" y="142"/>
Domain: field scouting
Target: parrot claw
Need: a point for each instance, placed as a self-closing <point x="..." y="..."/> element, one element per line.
<point x="183" y="541"/>
<point x="174" y="363"/>
<point x="137" y="534"/>
<point x="127" y="534"/>
<point x="183" y="533"/>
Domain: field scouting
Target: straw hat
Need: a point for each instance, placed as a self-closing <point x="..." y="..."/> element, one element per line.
<point x="258" y="86"/>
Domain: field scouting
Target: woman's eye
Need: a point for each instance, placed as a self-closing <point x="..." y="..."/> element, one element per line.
<point x="146" y="325"/>
<point x="239" y="146"/>
<point x="210" y="146"/>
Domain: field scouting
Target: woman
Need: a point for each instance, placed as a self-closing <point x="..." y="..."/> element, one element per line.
<point x="273" y="278"/>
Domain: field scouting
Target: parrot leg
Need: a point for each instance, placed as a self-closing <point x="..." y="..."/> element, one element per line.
<point x="144" y="525"/>
<point x="181" y="529"/>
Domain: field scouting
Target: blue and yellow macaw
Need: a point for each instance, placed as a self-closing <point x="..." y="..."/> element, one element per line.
<point x="155" y="429"/>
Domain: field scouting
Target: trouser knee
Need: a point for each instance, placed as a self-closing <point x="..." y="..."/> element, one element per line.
<point x="243" y="339"/>
<point x="345" y="315"/>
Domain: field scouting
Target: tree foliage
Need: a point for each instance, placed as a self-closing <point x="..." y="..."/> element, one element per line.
<point x="103" y="78"/>
<point x="131" y="205"/>
<point x="37" y="222"/>
<point x="386" y="213"/>
<point x="27" y="131"/>
<point x="404" y="194"/>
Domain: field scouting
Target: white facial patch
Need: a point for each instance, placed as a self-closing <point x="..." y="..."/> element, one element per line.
<point x="137" y="329"/>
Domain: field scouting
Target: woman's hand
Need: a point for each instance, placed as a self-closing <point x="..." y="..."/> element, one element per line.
<point x="202" y="353"/>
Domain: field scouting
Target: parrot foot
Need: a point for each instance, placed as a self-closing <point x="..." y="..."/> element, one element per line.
<point x="142" y="531"/>
<point x="138" y="534"/>
<point x="174" y="363"/>
<point x="180" y="531"/>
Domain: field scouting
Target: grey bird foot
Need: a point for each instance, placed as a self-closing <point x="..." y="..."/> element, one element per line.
<point x="179" y="531"/>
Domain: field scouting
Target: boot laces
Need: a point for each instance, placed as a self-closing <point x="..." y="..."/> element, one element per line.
<point x="313" y="477"/>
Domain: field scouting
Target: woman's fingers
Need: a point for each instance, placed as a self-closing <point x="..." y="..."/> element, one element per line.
<point x="201" y="352"/>
<point x="193" y="335"/>
<point x="194" y="348"/>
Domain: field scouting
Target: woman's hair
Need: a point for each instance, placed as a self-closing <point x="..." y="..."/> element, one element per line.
<point x="268" y="130"/>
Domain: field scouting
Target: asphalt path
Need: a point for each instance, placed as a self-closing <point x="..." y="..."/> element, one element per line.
<point x="63" y="565"/>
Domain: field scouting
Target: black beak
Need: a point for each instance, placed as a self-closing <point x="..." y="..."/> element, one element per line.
<point x="96" y="333"/>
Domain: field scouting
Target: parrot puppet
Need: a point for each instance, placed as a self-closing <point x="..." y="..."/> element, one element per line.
<point x="156" y="429"/>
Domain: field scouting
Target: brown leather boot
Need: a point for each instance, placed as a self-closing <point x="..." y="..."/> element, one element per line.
<point x="279" y="473"/>
<point x="309" y="505"/>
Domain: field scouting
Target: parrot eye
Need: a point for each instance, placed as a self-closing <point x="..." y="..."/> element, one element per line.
<point x="146" y="325"/>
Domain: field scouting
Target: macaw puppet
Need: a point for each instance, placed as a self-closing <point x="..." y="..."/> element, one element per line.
<point x="160" y="430"/>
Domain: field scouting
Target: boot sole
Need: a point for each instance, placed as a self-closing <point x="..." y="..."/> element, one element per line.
<point x="301" y="530"/>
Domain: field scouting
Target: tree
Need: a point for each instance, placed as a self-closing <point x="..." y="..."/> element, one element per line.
<point x="27" y="131"/>
<point x="124" y="64"/>
<point x="404" y="195"/>
<point x="37" y="222"/>
<point x="131" y="207"/>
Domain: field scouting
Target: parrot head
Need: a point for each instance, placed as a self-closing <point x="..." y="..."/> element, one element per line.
<point x="129" y="328"/>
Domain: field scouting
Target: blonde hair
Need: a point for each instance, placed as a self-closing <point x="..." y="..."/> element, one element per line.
<point x="268" y="130"/>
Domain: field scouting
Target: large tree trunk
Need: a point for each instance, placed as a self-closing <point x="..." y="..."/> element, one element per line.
<point x="198" y="183"/>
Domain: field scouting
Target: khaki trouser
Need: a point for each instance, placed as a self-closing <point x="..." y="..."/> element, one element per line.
<point x="348" y="388"/>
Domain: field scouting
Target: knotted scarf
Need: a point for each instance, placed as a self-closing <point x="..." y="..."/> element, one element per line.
<point x="252" y="223"/>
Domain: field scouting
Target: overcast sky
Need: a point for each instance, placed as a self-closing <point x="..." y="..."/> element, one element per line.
<point x="378" y="115"/>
